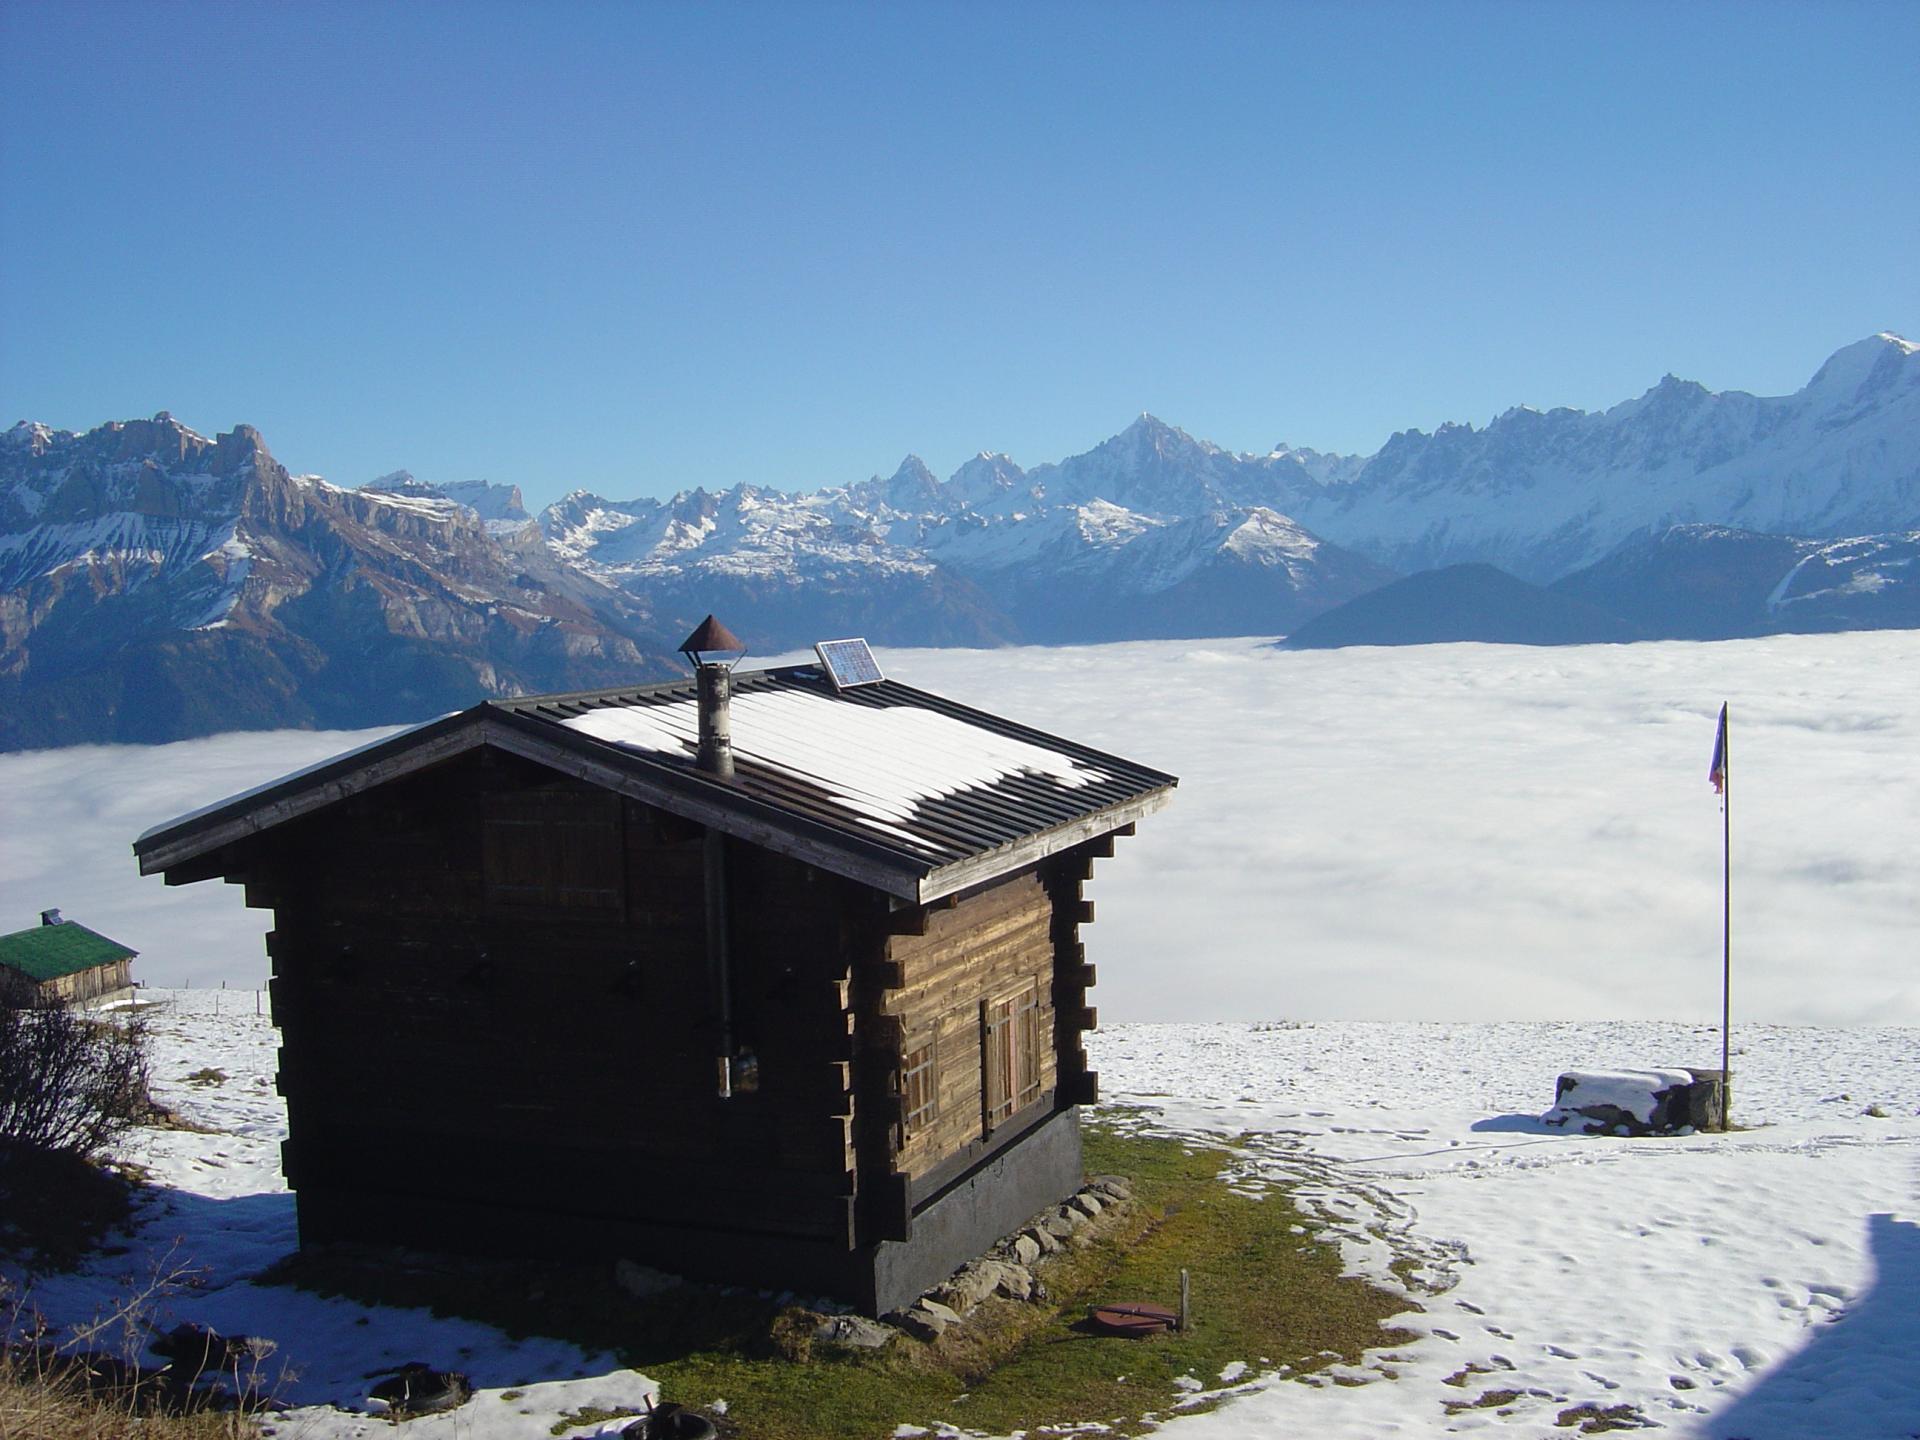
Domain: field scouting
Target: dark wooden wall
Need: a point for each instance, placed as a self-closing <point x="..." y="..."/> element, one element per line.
<point x="492" y="981"/>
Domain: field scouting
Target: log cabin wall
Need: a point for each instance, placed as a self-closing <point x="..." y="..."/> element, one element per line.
<point x="974" y="1012"/>
<point x="90" y="984"/>
<point x="499" y="1026"/>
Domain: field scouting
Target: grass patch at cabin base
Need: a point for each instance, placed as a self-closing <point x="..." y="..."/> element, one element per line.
<point x="1263" y="1295"/>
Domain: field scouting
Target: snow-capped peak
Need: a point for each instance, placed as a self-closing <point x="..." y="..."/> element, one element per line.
<point x="28" y="434"/>
<point x="915" y="470"/>
<point x="1151" y="430"/>
<point x="984" y="479"/>
<point x="164" y="419"/>
<point x="1851" y="367"/>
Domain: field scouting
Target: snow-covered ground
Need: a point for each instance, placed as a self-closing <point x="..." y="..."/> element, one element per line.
<point x="1438" y="832"/>
<point x="1762" y="1284"/>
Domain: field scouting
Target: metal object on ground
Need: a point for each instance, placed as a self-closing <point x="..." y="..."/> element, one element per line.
<point x="416" y="1388"/>
<point x="1133" y="1318"/>
<point x="668" y="1421"/>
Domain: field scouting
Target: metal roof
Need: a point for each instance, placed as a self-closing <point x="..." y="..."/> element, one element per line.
<point x="48" y="952"/>
<point x="913" y="794"/>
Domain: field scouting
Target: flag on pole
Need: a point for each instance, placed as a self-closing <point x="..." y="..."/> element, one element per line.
<point x="1717" y="771"/>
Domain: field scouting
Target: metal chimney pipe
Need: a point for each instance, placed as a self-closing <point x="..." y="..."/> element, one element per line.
<point x="715" y="684"/>
<point x="713" y="681"/>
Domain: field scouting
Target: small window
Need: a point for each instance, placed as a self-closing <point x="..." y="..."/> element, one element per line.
<point x="1009" y="1055"/>
<point x="919" y="1090"/>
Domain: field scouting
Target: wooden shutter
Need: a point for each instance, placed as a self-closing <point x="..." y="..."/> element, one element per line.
<point x="1010" y="1055"/>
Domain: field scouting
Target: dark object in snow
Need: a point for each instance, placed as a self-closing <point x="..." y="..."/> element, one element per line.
<point x="418" y="1389"/>
<point x="1134" y="1319"/>
<point x="192" y="1351"/>
<point x="669" y="1421"/>
<point x="1639" y="1102"/>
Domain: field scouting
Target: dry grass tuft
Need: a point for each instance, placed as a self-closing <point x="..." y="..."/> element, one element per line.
<point x="38" y="1405"/>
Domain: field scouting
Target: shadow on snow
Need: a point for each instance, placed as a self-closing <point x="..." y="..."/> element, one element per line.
<point x="1855" y="1377"/>
<point x="326" y="1348"/>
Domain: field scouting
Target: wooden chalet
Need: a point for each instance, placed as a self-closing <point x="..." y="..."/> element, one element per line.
<point x="754" y="977"/>
<point x="62" y="962"/>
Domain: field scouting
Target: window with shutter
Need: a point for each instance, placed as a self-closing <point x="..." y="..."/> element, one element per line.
<point x="1010" y="1063"/>
<point x="919" y="1090"/>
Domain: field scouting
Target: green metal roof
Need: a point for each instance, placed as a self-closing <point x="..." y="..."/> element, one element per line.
<point x="48" y="952"/>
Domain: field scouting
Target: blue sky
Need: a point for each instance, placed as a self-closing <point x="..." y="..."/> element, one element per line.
<point x="636" y="248"/>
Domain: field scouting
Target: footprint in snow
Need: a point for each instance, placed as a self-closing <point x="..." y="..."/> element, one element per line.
<point x="1562" y="1353"/>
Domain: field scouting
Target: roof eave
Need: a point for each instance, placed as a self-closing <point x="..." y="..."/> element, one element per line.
<point x="253" y="811"/>
<point x="1032" y="849"/>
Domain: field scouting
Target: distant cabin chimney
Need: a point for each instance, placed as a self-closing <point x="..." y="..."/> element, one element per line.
<point x="713" y="651"/>
<point x="51" y="917"/>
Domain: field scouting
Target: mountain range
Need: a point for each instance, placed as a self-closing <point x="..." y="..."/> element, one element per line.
<point x="156" y="583"/>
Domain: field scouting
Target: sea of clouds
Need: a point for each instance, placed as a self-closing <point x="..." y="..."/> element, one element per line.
<point x="1426" y="833"/>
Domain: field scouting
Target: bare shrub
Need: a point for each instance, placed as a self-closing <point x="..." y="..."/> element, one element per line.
<point x="69" y="1083"/>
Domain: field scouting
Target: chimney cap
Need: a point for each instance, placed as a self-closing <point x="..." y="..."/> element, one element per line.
<point x="51" y="917"/>
<point x="710" y="637"/>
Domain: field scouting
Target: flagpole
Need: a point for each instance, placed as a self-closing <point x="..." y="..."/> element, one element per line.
<point x="1726" y="922"/>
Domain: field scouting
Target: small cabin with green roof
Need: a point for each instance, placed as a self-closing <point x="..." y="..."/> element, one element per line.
<point x="59" y="960"/>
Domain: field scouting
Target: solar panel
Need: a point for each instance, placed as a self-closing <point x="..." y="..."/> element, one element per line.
<point x="848" y="663"/>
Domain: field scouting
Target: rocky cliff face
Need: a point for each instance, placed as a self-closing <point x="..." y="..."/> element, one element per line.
<point x="155" y="584"/>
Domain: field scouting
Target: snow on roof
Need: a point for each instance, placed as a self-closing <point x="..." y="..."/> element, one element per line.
<point x="881" y="763"/>
<point x="887" y="785"/>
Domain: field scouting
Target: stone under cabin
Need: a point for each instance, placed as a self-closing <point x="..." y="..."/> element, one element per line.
<point x="773" y="977"/>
